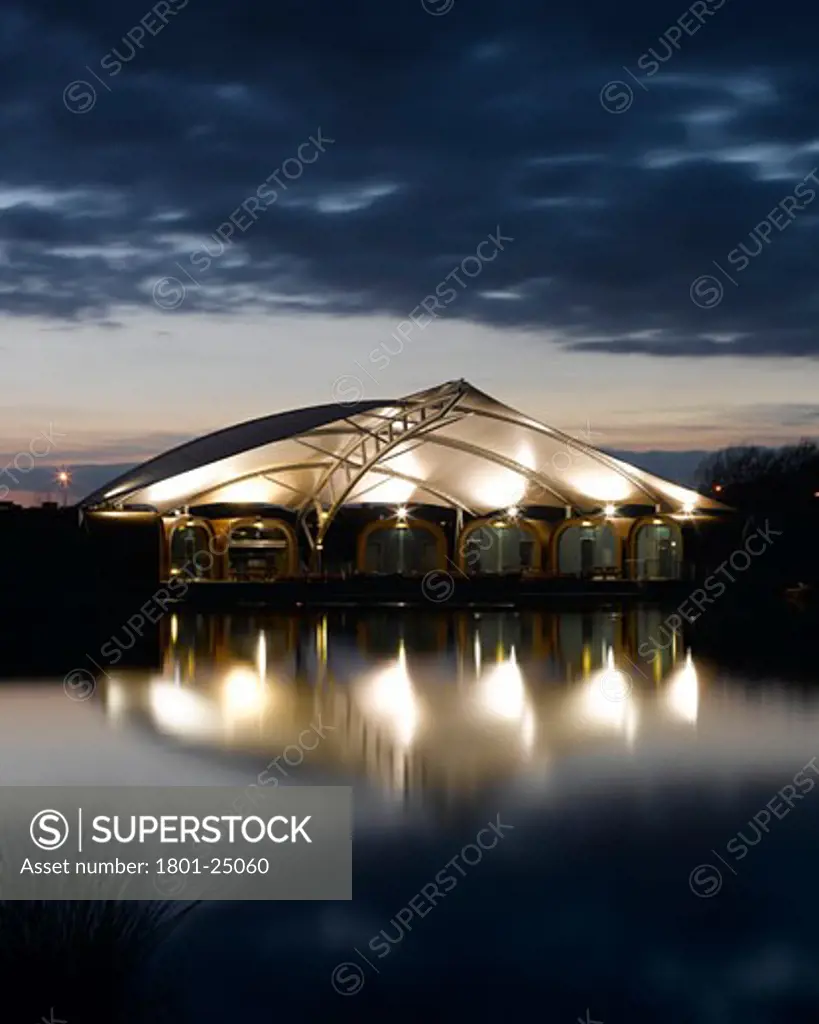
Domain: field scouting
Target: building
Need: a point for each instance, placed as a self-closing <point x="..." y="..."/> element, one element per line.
<point x="447" y="477"/>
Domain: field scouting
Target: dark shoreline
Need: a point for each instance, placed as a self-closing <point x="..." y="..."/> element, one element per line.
<point x="438" y="589"/>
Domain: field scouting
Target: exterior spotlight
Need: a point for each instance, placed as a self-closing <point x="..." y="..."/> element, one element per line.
<point x="401" y="513"/>
<point x="689" y="506"/>
<point x="609" y="511"/>
<point x="513" y="512"/>
<point x="717" y="488"/>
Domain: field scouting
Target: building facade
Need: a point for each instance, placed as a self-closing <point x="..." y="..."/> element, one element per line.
<point x="445" y="479"/>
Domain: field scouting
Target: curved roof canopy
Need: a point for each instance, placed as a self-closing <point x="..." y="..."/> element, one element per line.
<point x="451" y="445"/>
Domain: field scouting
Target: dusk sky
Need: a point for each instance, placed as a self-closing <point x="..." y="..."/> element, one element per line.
<point x="212" y="210"/>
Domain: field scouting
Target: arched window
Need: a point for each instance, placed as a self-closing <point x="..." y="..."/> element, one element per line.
<point x="587" y="549"/>
<point x="501" y="548"/>
<point x="260" y="550"/>
<point x="658" y="551"/>
<point x="189" y="540"/>
<point x="405" y="549"/>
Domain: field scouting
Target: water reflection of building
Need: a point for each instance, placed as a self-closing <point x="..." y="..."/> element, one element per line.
<point x="418" y="703"/>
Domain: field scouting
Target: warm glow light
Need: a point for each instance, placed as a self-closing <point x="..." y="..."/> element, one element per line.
<point x="494" y="487"/>
<point x="243" y="692"/>
<point x="675" y="493"/>
<point x="261" y="656"/>
<point x="381" y="489"/>
<point x="115" y="699"/>
<point x="689" y="505"/>
<point x="683" y="691"/>
<point x="513" y="512"/>
<point x="115" y="491"/>
<point x="401" y="513"/>
<point x="63" y="478"/>
<point x="601" y="485"/>
<point x="502" y="691"/>
<point x="176" y="488"/>
<point x="609" y="511"/>
<point x="605" y="700"/>
<point x="174" y="627"/>
<point x="390" y="696"/>
<point x="254" y="489"/>
<point x="528" y="730"/>
<point x="177" y="710"/>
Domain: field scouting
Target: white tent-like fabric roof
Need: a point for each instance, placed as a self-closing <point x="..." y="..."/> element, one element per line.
<point x="452" y="446"/>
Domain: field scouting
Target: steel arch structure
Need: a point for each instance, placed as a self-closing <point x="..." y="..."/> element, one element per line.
<point x="451" y="445"/>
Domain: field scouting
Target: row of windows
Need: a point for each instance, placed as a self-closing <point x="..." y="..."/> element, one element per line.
<point x="264" y="551"/>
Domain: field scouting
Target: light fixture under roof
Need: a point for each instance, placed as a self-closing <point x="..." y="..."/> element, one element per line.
<point x="609" y="511"/>
<point x="495" y="458"/>
<point x="513" y="512"/>
<point x="401" y="513"/>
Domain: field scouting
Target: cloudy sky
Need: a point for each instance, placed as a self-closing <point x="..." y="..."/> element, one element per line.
<point x="212" y="210"/>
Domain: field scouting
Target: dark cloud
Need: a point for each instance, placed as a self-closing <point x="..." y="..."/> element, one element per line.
<point x="444" y="128"/>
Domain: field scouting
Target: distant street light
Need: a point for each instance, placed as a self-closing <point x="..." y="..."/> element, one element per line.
<point x="64" y="480"/>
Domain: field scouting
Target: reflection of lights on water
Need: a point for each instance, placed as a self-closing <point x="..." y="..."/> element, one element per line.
<point x="502" y="694"/>
<point x="243" y="691"/>
<point x="477" y="648"/>
<point x="174" y="629"/>
<point x="115" y="700"/>
<point x="616" y="685"/>
<point x="177" y="710"/>
<point x="605" y="700"/>
<point x="528" y="730"/>
<point x="683" y="695"/>
<point x="391" y="696"/>
<point x="501" y="690"/>
<point x="261" y="656"/>
<point x="321" y="641"/>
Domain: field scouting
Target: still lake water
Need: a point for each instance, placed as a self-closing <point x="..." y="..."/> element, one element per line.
<point x="632" y="882"/>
